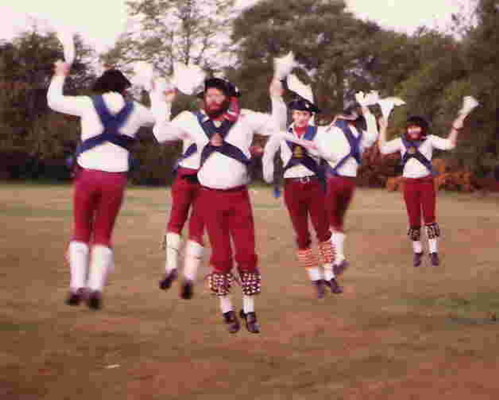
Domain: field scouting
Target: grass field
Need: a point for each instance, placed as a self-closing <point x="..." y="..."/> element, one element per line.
<point x="395" y="333"/>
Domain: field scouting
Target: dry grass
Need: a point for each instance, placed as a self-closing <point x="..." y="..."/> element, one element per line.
<point x="396" y="333"/>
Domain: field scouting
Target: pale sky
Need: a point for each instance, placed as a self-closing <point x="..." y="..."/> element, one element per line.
<point x="101" y="21"/>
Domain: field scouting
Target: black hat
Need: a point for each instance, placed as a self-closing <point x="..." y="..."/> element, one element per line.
<point x="418" y="121"/>
<point x="229" y="89"/>
<point x="349" y="106"/>
<point x="112" y="80"/>
<point x="301" y="104"/>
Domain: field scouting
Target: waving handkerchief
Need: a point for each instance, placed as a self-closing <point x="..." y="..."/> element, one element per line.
<point x="469" y="104"/>
<point x="367" y="99"/>
<point x="66" y="38"/>
<point x="298" y="87"/>
<point x="284" y="65"/>
<point x="143" y="75"/>
<point x="387" y="104"/>
<point x="189" y="79"/>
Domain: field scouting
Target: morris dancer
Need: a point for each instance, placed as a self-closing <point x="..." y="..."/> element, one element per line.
<point x="304" y="193"/>
<point x="108" y="127"/>
<point x="416" y="148"/>
<point x="223" y="134"/>
<point x="341" y="144"/>
<point x="184" y="193"/>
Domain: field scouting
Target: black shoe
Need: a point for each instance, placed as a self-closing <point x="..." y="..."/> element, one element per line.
<point x="334" y="286"/>
<point x="75" y="298"/>
<point x="187" y="289"/>
<point x="168" y="279"/>
<point x="341" y="267"/>
<point x="417" y="259"/>
<point x="230" y="319"/>
<point x="320" y="288"/>
<point x="251" y="321"/>
<point x="435" y="259"/>
<point x="94" y="301"/>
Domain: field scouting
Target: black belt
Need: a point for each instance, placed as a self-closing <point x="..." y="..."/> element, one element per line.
<point x="303" y="179"/>
<point x="192" y="178"/>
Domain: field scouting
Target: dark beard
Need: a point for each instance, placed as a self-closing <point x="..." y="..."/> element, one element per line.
<point x="215" y="113"/>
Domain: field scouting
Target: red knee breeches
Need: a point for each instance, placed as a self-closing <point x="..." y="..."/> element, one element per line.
<point x="420" y="197"/>
<point x="340" y="190"/>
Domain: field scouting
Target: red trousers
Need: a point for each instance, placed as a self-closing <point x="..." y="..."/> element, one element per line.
<point x="97" y="200"/>
<point x="228" y="216"/>
<point x="419" y="196"/>
<point x="184" y="197"/>
<point x="340" y="191"/>
<point x="302" y="199"/>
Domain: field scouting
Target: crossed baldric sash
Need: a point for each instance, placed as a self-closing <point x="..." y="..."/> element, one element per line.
<point x="300" y="156"/>
<point x="112" y="124"/>
<point x="412" y="151"/>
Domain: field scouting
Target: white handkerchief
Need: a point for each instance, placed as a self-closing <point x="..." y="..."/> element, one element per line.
<point x="189" y="79"/>
<point x="284" y="65"/>
<point x="66" y="38"/>
<point x="297" y="86"/>
<point x="387" y="104"/>
<point x="469" y="104"/>
<point x="143" y="75"/>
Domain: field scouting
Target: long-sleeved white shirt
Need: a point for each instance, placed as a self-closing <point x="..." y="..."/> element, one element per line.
<point x="413" y="168"/>
<point x="333" y="145"/>
<point x="106" y="156"/>
<point x="274" y="143"/>
<point x="219" y="171"/>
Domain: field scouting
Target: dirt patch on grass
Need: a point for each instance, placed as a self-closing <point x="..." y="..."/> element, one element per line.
<point x="462" y="378"/>
<point x="176" y="378"/>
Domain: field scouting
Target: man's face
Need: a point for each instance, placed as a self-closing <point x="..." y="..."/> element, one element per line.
<point x="301" y="118"/>
<point x="414" y="132"/>
<point x="214" y="100"/>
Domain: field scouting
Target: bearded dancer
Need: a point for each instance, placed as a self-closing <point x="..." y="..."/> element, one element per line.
<point x="304" y="193"/>
<point x="184" y="193"/>
<point x="416" y="149"/>
<point x="108" y="127"/>
<point x="223" y="134"/>
<point x="341" y="144"/>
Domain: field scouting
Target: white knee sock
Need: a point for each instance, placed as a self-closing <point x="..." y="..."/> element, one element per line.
<point x="225" y="304"/>
<point x="248" y="304"/>
<point x="314" y="273"/>
<point x="433" y="245"/>
<point x="172" y="251"/>
<point x="193" y="256"/>
<point x="338" y="239"/>
<point x="417" y="246"/>
<point x="78" y="263"/>
<point x="328" y="272"/>
<point x="101" y="261"/>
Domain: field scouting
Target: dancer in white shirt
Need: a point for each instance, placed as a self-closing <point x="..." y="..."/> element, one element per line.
<point x="108" y="126"/>
<point x="223" y="134"/>
<point x="304" y="191"/>
<point x="416" y="148"/>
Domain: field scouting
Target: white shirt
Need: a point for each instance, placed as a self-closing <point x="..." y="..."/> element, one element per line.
<point x="333" y="145"/>
<point x="219" y="171"/>
<point x="162" y="113"/>
<point x="413" y="168"/>
<point x="276" y="141"/>
<point x="106" y="156"/>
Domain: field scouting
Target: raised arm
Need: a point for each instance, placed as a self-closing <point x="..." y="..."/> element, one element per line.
<point x="386" y="147"/>
<point x="279" y="110"/>
<point x="371" y="134"/>
<point x="268" y="157"/>
<point x="73" y="105"/>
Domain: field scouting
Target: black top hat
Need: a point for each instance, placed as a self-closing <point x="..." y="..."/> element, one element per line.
<point x="301" y="104"/>
<point x="229" y="89"/>
<point x="349" y="106"/>
<point x="112" y="80"/>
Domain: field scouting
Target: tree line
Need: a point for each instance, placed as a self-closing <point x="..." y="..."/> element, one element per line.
<point x="338" y="54"/>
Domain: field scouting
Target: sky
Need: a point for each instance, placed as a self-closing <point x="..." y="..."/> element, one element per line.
<point x="101" y="32"/>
